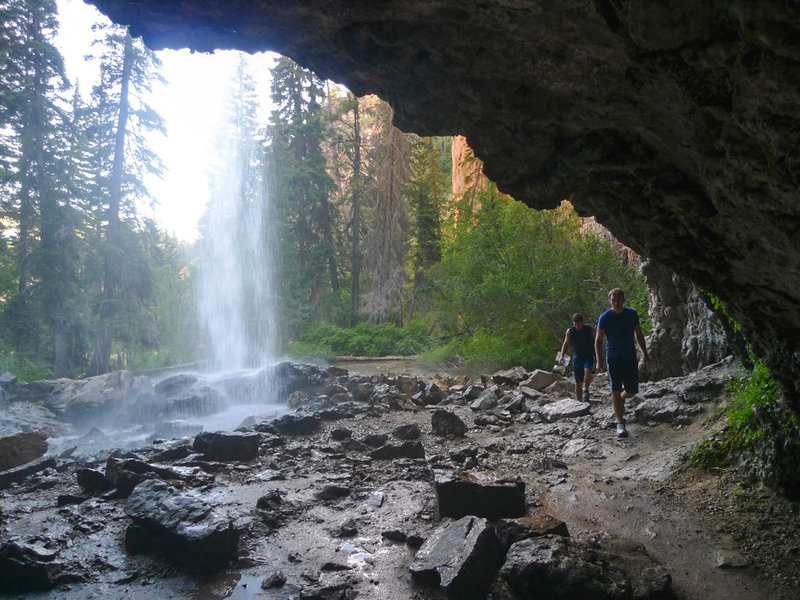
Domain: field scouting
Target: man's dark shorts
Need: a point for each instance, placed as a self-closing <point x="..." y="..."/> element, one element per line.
<point x="579" y="364"/>
<point x="623" y="373"/>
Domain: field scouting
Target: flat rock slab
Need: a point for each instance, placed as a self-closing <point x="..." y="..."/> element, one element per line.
<point x="460" y="556"/>
<point x="511" y="531"/>
<point x="21" y="473"/>
<point x="182" y="526"/>
<point x="478" y="494"/>
<point x="553" y="567"/>
<point x="563" y="409"/>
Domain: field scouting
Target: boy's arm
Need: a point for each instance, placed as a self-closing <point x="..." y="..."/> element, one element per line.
<point x="598" y="349"/>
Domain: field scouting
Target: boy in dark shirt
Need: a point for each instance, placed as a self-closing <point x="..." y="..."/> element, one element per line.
<point x="581" y="337"/>
<point x="619" y="325"/>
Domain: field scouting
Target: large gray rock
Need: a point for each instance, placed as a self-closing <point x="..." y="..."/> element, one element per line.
<point x="20" y="448"/>
<point x="228" y="446"/>
<point x="447" y="424"/>
<point x="182" y="526"/>
<point x="85" y="400"/>
<point x="563" y="409"/>
<point x="553" y="567"/>
<point x="539" y="380"/>
<point x="460" y="556"/>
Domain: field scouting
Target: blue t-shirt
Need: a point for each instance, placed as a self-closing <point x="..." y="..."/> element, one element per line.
<point x="619" y="329"/>
<point x="582" y="341"/>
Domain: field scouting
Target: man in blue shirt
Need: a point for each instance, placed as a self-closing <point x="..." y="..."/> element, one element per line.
<point x="581" y="337"/>
<point x="618" y="326"/>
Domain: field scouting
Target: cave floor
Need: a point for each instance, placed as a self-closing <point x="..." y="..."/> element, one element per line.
<point x="719" y="534"/>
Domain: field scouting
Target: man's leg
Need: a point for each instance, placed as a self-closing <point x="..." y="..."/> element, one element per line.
<point x="619" y="406"/>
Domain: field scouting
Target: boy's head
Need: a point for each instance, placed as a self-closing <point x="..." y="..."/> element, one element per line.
<point x="617" y="299"/>
<point x="577" y="320"/>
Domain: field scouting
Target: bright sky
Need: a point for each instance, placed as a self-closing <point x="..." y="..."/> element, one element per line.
<point x="191" y="103"/>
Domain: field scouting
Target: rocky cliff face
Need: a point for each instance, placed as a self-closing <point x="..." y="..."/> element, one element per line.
<point x="674" y="123"/>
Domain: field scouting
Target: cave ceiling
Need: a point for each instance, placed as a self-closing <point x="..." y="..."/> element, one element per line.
<point x="675" y="123"/>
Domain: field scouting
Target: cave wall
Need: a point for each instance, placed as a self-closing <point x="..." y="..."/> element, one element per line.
<point x="674" y="123"/>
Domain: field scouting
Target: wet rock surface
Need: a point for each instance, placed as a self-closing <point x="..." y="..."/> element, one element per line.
<point x="315" y="515"/>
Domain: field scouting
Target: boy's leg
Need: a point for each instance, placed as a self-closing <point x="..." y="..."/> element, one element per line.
<point x="577" y="371"/>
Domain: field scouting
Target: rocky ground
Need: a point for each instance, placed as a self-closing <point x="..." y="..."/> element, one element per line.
<point x="342" y="499"/>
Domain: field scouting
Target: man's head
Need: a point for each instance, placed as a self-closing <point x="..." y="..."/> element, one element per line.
<point x="617" y="299"/>
<point x="577" y="320"/>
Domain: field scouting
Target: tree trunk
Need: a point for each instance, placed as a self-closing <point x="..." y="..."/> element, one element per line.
<point x="114" y="253"/>
<point x="355" y="291"/>
<point x="52" y="254"/>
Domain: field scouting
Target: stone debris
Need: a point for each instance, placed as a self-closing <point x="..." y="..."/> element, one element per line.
<point x="349" y="485"/>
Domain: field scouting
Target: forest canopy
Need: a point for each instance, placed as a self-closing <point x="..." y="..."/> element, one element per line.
<point x="378" y="241"/>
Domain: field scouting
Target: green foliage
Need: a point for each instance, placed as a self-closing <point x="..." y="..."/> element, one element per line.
<point x="755" y="417"/>
<point x="487" y="350"/>
<point x="512" y="279"/>
<point x="363" y="340"/>
<point x="23" y="367"/>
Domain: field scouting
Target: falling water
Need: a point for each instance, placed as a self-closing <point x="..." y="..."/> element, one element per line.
<point x="235" y="297"/>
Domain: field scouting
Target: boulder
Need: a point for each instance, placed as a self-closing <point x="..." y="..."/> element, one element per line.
<point x="21" y="448"/>
<point x="92" y="481"/>
<point x="31" y="568"/>
<point x="407" y="383"/>
<point x="296" y="425"/>
<point x="447" y="424"/>
<point x="408" y="449"/>
<point x="486" y="400"/>
<point x="409" y="431"/>
<point x="539" y="380"/>
<point x="461" y="556"/>
<point x="182" y="526"/>
<point x="563" y="409"/>
<point x="511" y="376"/>
<point x="511" y="531"/>
<point x="228" y="446"/>
<point x="479" y="494"/>
<point x="553" y="567"/>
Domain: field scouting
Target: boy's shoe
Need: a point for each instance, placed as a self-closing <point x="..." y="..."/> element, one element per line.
<point x="586" y="396"/>
<point x="621" y="431"/>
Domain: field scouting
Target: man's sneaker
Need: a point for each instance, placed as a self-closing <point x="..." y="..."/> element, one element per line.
<point x="586" y="396"/>
<point x="621" y="431"/>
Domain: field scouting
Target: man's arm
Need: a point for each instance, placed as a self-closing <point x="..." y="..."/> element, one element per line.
<point x="598" y="350"/>
<point x="642" y="345"/>
<point x="567" y="341"/>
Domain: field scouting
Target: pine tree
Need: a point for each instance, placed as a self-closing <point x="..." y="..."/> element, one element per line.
<point x="34" y="197"/>
<point x="300" y="188"/>
<point x="386" y="244"/>
<point x="121" y="157"/>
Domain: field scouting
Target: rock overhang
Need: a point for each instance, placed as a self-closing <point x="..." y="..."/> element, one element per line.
<point x="675" y="124"/>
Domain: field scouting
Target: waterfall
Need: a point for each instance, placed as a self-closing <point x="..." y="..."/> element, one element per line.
<point x="235" y="293"/>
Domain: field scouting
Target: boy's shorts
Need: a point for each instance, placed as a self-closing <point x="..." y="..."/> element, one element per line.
<point x="623" y="373"/>
<point x="579" y="364"/>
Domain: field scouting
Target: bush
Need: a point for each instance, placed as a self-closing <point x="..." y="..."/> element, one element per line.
<point x="362" y="340"/>
<point x="760" y="429"/>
